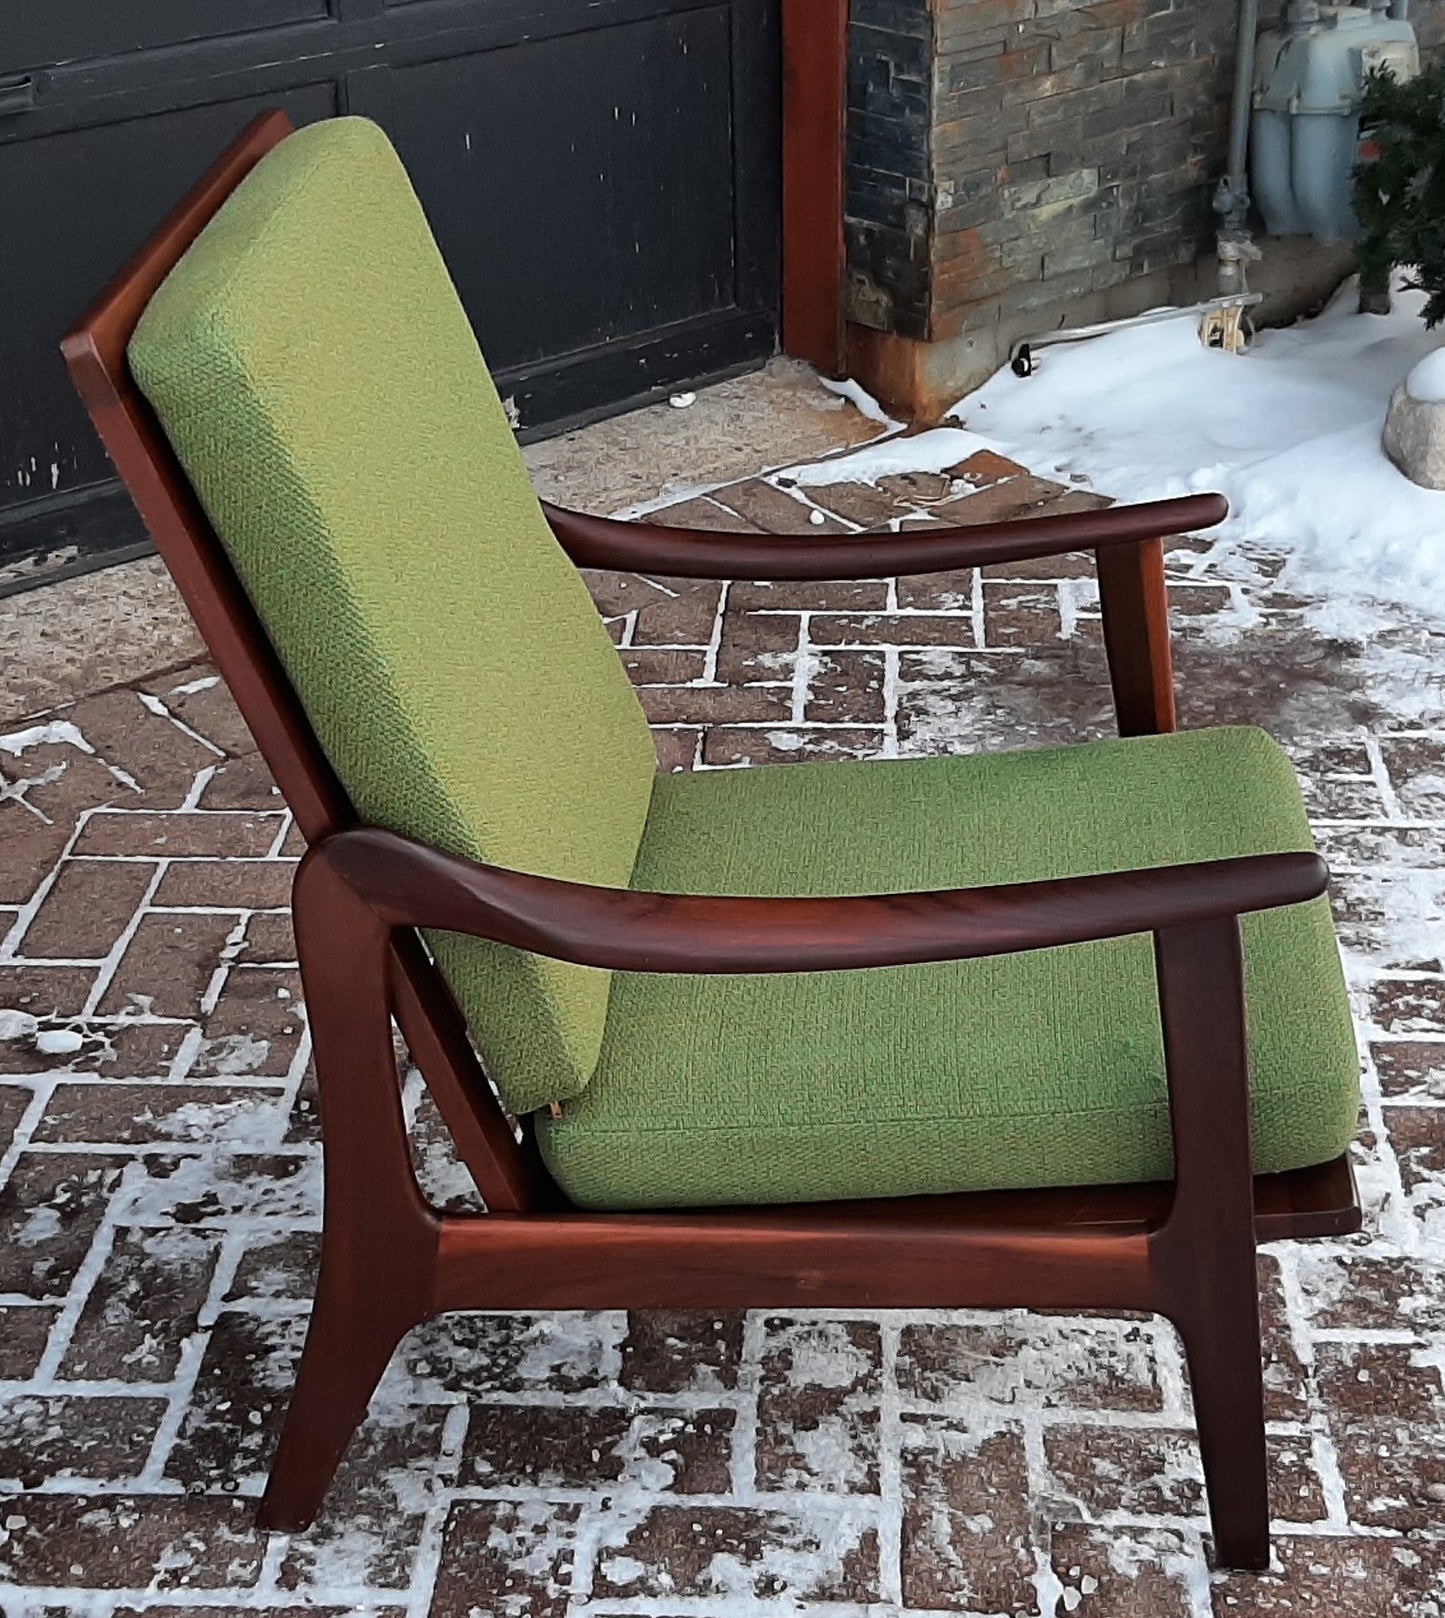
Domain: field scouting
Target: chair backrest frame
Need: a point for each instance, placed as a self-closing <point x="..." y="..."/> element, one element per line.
<point x="507" y="1169"/>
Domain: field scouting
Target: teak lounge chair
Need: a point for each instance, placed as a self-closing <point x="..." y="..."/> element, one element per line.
<point x="725" y="1101"/>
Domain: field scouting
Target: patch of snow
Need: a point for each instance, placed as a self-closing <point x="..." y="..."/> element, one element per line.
<point x="245" y="1123"/>
<point x="861" y="400"/>
<point x="42" y="1224"/>
<point x="226" y="1187"/>
<point x="1427" y="381"/>
<point x="822" y="1354"/>
<point x="827" y="1450"/>
<point x="582" y="1345"/>
<point x="936" y="451"/>
<point x="1288" y="432"/>
<point x="58" y="1042"/>
<point x="233" y="1054"/>
<point x="59" y="732"/>
<point x="680" y="401"/>
<point x="17" y="1025"/>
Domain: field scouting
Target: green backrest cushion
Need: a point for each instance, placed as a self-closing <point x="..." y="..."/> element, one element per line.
<point x="320" y="383"/>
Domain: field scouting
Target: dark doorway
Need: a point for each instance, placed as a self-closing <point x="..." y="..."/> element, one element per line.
<point x="602" y="176"/>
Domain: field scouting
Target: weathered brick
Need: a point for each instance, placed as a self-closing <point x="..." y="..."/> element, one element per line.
<point x="663" y="665"/>
<point x="717" y="704"/>
<point x="965" y="1540"/>
<point x="50" y="1208"/>
<point x="1121" y="1573"/>
<point x="168" y="965"/>
<point x="858" y="629"/>
<point x="24" y="1332"/>
<point x="119" y="1542"/>
<point x="1368" y="1380"/>
<point x="143" y="1307"/>
<point x="1031" y="119"/>
<point x="160" y="758"/>
<point x="68" y="1436"/>
<point x="1339" y="1578"/>
<point x="199" y="699"/>
<point x="818" y="1409"/>
<point x="784" y="744"/>
<point x="87" y="909"/>
<point x="845" y="688"/>
<point x="717" y="1551"/>
<point x="520" y="1553"/>
<point x="1042" y="1365"/>
<point x="178" y="836"/>
<point x="227" y="884"/>
<point x="676" y="1351"/>
<point x="669" y="612"/>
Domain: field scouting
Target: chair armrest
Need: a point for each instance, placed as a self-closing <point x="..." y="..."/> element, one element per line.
<point x="407" y="884"/>
<point x="641" y="547"/>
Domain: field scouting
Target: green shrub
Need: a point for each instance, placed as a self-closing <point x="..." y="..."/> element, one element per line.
<point x="1400" y="195"/>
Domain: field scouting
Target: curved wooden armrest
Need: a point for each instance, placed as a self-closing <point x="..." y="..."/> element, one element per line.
<point x="408" y="884"/>
<point x="642" y="547"/>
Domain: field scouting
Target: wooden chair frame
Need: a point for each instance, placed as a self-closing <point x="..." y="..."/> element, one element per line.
<point x="390" y="1261"/>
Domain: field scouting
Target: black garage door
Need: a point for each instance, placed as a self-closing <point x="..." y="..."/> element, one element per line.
<point x="602" y="176"/>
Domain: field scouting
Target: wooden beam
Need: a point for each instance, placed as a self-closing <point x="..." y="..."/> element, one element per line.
<point x="815" y="72"/>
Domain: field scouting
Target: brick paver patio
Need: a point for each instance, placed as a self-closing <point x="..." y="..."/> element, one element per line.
<point x="159" y="1208"/>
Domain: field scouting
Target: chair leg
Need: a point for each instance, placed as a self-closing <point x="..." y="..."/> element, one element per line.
<point x="352" y="1336"/>
<point x="379" y="1244"/>
<point x="1222" y="1349"/>
<point x="1204" y="1254"/>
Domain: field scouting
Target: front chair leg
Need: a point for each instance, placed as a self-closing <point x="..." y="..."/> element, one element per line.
<point x="1204" y="1254"/>
<point x="379" y="1246"/>
<point x="353" y="1333"/>
<point x="1222" y="1349"/>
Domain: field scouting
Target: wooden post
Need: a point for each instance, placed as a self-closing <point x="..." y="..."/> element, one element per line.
<point x="815" y="72"/>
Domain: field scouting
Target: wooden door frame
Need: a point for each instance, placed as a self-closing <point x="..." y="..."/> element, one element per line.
<point x="815" y="111"/>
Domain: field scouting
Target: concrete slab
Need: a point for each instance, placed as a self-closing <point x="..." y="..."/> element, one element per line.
<point x="64" y="640"/>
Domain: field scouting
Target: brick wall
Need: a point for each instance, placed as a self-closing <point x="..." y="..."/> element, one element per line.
<point x="1013" y="162"/>
<point x="890" y="204"/>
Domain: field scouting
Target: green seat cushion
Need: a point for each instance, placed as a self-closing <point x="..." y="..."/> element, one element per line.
<point x="1026" y="1070"/>
<point x="313" y="368"/>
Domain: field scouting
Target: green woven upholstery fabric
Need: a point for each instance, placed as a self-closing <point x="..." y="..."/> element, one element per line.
<point x="313" y="368"/>
<point x="1022" y="1071"/>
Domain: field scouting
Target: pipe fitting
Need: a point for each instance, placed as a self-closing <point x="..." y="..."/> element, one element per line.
<point x="1235" y="254"/>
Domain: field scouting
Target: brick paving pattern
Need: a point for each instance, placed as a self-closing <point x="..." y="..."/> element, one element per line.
<point x="159" y="1183"/>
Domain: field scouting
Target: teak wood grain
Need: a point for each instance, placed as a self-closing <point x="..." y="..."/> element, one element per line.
<point x="390" y="1261"/>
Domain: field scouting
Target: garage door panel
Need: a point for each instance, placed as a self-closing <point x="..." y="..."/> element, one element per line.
<point x="602" y="177"/>
<point x="580" y="187"/>
<point x="45" y="32"/>
<point x="66" y="187"/>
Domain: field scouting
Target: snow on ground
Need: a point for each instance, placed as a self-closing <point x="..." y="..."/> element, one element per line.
<point x="1289" y="432"/>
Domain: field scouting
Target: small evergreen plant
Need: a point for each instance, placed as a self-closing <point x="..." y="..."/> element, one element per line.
<point x="1400" y="194"/>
